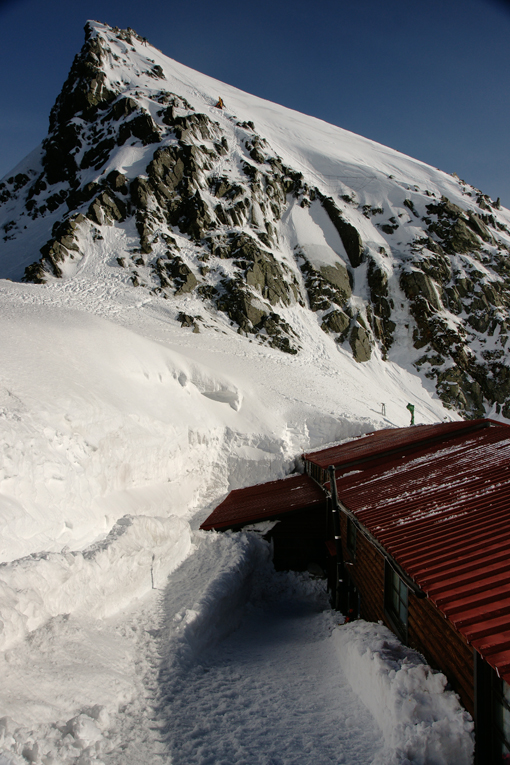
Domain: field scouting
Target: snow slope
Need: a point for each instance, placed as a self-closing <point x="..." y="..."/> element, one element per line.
<point x="112" y="414"/>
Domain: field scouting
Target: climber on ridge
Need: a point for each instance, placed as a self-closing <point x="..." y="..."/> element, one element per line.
<point x="220" y="103"/>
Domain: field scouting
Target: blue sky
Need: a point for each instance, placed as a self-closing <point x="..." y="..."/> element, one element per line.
<point x="431" y="79"/>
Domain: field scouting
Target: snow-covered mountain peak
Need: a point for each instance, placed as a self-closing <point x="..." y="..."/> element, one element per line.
<point x="251" y="218"/>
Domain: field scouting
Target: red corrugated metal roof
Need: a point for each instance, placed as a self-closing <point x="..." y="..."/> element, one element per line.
<point x="443" y="513"/>
<point x="264" y="501"/>
<point x="385" y="442"/>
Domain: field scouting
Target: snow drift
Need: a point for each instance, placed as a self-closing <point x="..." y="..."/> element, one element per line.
<point x="137" y="555"/>
<point x="422" y="722"/>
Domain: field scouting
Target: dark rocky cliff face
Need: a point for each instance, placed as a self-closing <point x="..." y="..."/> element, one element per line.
<point x="226" y="199"/>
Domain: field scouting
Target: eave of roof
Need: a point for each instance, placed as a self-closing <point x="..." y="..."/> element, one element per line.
<point x="265" y="501"/>
<point x="443" y="513"/>
<point x="382" y="444"/>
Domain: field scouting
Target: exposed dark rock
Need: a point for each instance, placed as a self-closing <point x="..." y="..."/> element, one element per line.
<point x="54" y="201"/>
<point x="107" y="208"/>
<point x="117" y="182"/>
<point x="84" y="91"/>
<point x="349" y="235"/>
<point x="121" y="109"/>
<point x="182" y="276"/>
<point x="56" y="251"/>
<point x="166" y="171"/>
<point x="410" y="205"/>
<point x="157" y="72"/>
<point x="382" y="306"/>
<point x="140" y="192"/>
<point x="359" y="341"/>
<point x="330" y="284"/>
<point x="192" y="216"/>
<point x="98" y="155"/>
<point x="336" y="321"/>
<point x="262" y="271"/>
<point x="35" y="273"/>
<point x="476" y="224"/>
<point x="81" y="196"/>
<point x="458" y="390"/>
<point x="419" y="286"/>
<point x="236" y="302"/>
<point x="196" y="125"/>
<point x="265" y="275"/>
<point x="279" y="333"/>
<point x="454" y="228"/>
<point x="59" y="149"/>
<point x="389" y="228"/>
<point x="338" y="277"/>
<point x="142" y="127"/>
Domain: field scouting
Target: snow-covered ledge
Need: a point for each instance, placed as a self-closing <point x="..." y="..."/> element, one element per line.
<point x="422" y="722"/>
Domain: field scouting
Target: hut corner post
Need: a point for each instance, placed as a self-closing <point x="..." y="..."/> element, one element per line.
<point x="340" y="591"/>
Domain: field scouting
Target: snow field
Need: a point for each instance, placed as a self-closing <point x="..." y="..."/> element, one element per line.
<point x="228" y="662"/>
<point x="272" y="691"/>
<point x="130" y="414"/>
<point x="118" y="430"/>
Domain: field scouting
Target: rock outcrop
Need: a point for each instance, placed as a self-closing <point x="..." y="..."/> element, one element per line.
<point x="213" y="215"/>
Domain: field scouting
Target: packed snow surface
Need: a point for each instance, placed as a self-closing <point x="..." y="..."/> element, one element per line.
<point x="126" y="635"/>
<point x="228" y="662"/>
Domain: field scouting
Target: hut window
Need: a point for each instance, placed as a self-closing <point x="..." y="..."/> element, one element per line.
<point x="395" y="600"/>
<point x="351" y="537"/>
<point x="502" y="719"/>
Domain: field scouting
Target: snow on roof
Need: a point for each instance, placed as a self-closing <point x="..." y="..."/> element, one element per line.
<point x="443" y="513"/>
<point x="384" y="442"/>
<point x="265" y="500"/>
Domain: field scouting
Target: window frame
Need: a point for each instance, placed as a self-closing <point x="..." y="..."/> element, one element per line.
<point x="350" y="538"/>
<point x="396" y="601"/>
<point x="492" y="698"/>
<point x="500" y="705"/>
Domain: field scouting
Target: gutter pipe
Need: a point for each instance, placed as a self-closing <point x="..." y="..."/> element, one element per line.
<point x="339" y="507"/>
<point x="337" y="534"/>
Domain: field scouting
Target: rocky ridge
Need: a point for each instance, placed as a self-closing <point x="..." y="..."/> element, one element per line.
<point x="210" y="210"/>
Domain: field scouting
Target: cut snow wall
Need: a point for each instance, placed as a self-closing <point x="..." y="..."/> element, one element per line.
<point x="422" y="723"/>
<point x="97" y="582"/>
<point x="221" y="580"/>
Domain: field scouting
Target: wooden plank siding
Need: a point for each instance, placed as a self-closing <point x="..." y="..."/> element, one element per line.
<point x="367" y="573"/>
<point x="429" y="632"/>
<point x="444" y="648"/>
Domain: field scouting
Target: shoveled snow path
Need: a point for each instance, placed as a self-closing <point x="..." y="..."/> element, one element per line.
<point x="272" y="691"/>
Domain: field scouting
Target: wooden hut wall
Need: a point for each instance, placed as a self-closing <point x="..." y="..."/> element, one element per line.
<point x="431" y="634"/>
<point x="428" y="632"/>
<point x="366" y="570"/>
